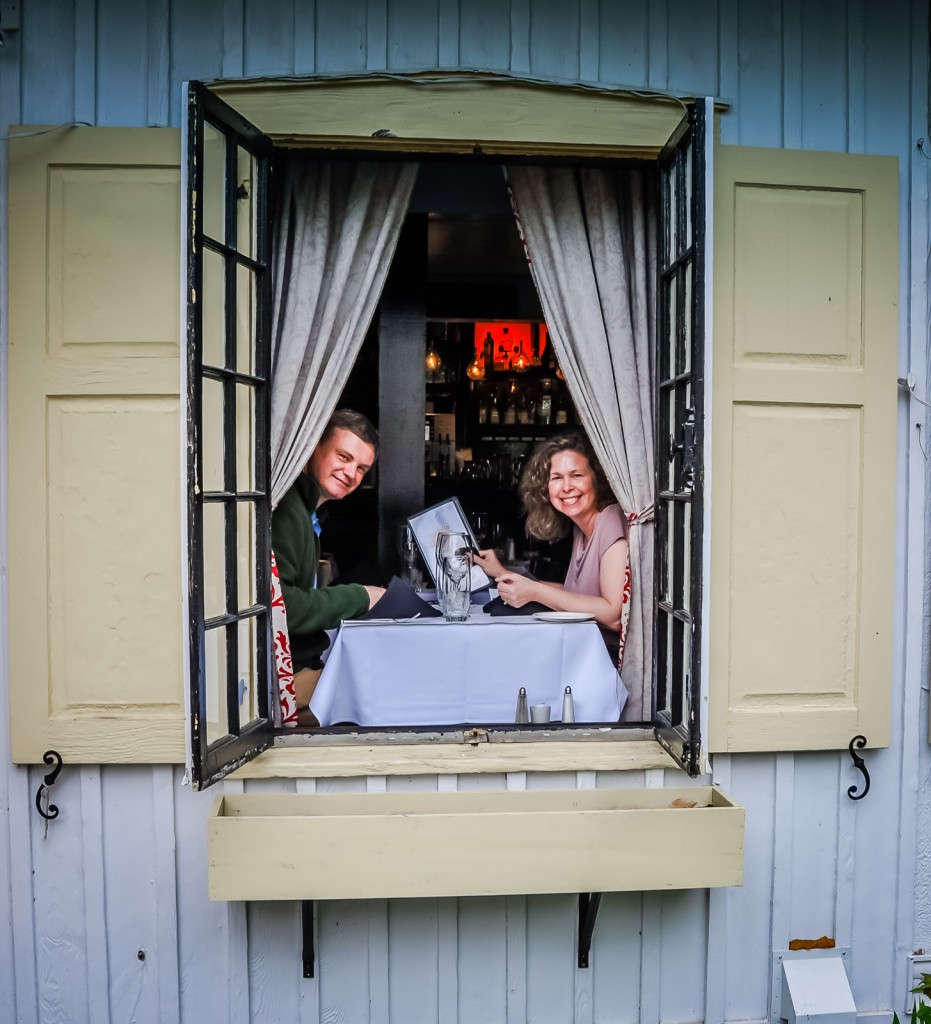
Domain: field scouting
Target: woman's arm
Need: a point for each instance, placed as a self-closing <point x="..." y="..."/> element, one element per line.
<point x="488" y="560"/>
<point x="606" y="607"/>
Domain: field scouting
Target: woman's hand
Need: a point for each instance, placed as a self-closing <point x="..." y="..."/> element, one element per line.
<point x="488" y="560"/>
<point x="516" y="590"/>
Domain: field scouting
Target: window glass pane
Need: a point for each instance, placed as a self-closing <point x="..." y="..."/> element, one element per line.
<point x="245" y="205"/>
<point x="245" y="437"/>
<point x="686" y="346"/>
<point x="688" y="233"/>
<point x="686" y="512"/>
<point x="214" y="560"/>
<point x="669" y="363"/>
<point x="212" y="306"/>
<point x="677" y="673"/>
<point x="670" y="551"/>
<point x="246" y="554"/>
<point x="245" y="320"/>
<point x="672" y="228"/>
<point x="211" y="441"/>
<point x="248" y="665"/>
<point x="214" y="191"/>
<point x="215" y="680"/>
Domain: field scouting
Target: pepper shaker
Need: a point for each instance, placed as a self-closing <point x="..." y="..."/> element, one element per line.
<point x="568" y="708"/>
<point x="523" y="711"/>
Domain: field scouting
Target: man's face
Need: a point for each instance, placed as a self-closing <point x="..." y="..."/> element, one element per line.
<point x="339" y="463"/>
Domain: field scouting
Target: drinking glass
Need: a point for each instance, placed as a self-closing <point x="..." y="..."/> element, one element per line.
<point x="457" y="588"/>
<point x="407" y="547"/>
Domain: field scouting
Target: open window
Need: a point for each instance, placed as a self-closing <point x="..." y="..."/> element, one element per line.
<point x="227" y="166"/>
<point x="232" y="686"/>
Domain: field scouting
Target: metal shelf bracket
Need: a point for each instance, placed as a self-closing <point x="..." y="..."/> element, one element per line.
<point x="589" y="902"/>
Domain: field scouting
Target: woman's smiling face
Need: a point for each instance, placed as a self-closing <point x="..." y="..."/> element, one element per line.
<point x="572" y="486"/>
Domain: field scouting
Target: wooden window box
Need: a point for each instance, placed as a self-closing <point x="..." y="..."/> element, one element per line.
<point x="383" y="845"/>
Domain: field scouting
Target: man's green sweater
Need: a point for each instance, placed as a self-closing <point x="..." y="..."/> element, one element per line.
<point x="311" y="610"/>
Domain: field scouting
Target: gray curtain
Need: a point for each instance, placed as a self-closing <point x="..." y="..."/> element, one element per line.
<point x="337" y="232"/>
<point x="590" y="237"/>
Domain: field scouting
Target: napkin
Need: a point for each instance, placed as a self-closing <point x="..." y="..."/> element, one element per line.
<point x="400" y="601"/>
<point x="497" y="607"/>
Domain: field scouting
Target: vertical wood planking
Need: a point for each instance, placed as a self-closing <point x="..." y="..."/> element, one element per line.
<point x="85" y="61"/>
<point x="657" y="47"/>
<point x="589" y="49"/>
<point x="448" y="33"/>
<point x="269" y="39"/>
<point x="158" y="58"/>
<point x="856" y="76"/>
<point x="814" y="847"/>
<point x="718" y="952"/>
<point x="792" y="96"/>
<point x="623" y="42"/>
<point x="651" y="931"/>
<point x="340" y="37"/>
<point x="729" y="68"/>
<point x="584" y="994"/>
<point x="195" y="47"/>
<point x="95" y="885"/>
<point x="692" y="40"/>
<point x="203" y="924"/>
<point x="683" y="951"/>
<point x="554" y="39"/>
<point x="484" y="34"/>
<point x="517" y="973"/>
<point x="47" y="45"/>
<point x="413" y="34"/>
<point x="824" y="78"/>
<point x="308" y="988"/>
<point x="166" y="781"/>
<point x="233" y="31"/>
<point x="447" y="926"/>
<point x="783" y="845"/>
<point x="59" y="901"/>
<point x="520" y="36"/>
<point x="376" y="55"/>
<point x="759" y="66"/>
<point x="121" y="72"/>
<point x="23" y="933"/>
<point x="753" y="783"/>
<point x="305" y="38"/>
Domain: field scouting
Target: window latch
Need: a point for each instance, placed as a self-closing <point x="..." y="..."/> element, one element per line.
<point x="685" y="448"/>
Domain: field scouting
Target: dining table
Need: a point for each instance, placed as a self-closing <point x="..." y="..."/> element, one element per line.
<point x="428" y="671"/>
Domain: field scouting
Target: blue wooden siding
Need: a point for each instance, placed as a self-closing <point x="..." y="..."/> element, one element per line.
<point x="123" y="871"/>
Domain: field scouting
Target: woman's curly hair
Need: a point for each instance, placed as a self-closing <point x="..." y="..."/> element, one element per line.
<point x="543" y="521"/>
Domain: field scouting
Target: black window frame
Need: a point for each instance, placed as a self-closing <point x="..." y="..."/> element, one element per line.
<point x="210" y="761"/>
<point x="678" y="443"/>
<point x="679" y="417"/>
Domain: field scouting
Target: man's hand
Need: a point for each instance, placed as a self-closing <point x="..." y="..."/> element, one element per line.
<point x="374" y="593"/>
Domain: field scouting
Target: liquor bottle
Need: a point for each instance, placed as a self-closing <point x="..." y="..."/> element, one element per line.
<point x="450" y="458"/>
<point x="523" y="413"/>
<point x="443" y="457"/>
<point x="482" y="409"/>
<point x="494" y="413"/>
<point x="510" y="413"/>
<point x="545" y="408"/>
<point x="488" y="352"/>
<point x="562" y="410"/>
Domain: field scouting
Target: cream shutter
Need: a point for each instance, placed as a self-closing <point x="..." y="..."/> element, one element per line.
<point x="95" y="526"/>
<point x="803" y="449"/>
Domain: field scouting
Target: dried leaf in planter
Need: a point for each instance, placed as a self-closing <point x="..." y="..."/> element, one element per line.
<point x="680" y="801"/>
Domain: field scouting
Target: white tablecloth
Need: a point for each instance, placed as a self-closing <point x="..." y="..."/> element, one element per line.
<point x="433" y="672"/>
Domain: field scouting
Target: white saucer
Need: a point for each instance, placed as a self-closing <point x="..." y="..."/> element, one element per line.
<point x="564" y="616"/>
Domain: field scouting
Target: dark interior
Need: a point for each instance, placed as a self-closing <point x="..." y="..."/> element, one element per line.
<point x="459" y="262"/>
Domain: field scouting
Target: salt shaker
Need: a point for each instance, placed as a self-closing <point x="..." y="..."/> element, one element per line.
<point x="568" y="708"/>
<point x="523" y="711"/>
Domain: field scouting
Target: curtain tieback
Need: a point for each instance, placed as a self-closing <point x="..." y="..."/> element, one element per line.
<point x="645" y="515"/>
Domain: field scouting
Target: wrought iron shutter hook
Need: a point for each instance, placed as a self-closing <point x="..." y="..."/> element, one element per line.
<point x="50" y="811"/>
<point x="859" y="742"/>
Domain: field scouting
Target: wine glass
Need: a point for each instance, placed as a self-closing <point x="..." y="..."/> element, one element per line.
<point x="410" y="555"/>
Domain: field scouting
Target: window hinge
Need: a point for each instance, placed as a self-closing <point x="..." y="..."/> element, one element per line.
<point x="476" y="736"/>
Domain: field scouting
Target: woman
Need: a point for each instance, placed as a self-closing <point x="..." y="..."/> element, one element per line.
<point x="563" y="485"/>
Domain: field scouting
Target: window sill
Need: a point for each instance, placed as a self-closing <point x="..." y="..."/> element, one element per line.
<point x="300" y="846"/>
<point x="327" y="756"/>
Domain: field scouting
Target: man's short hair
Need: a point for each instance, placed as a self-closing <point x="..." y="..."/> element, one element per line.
<point x="356" y="423"/>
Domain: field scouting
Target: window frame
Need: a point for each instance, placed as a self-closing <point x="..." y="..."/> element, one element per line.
<point x="210" y="762"/>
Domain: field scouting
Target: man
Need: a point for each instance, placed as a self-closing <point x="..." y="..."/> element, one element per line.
<point x="343" y="456"/>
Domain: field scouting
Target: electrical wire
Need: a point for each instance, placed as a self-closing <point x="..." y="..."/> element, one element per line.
<point x="46" y="131"/>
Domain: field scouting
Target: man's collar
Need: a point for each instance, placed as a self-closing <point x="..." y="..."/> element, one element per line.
<point x="309" y="491"/>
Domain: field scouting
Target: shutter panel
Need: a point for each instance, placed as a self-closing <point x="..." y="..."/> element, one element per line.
<point x="95" y="524"/>
<point x="804" y="449"/>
